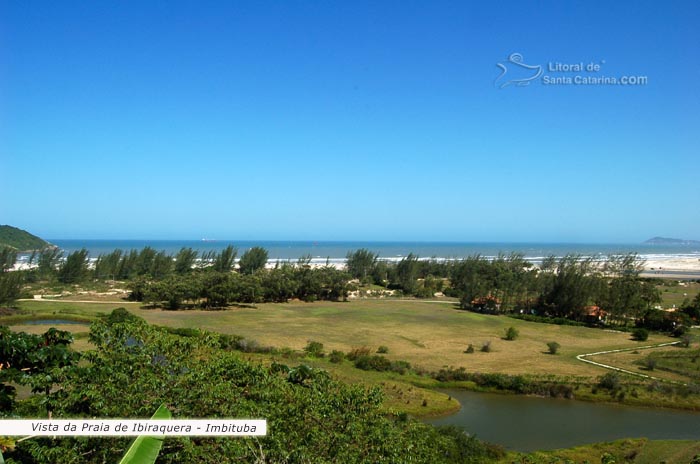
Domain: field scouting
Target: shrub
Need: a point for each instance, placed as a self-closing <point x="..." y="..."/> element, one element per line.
<point x="336" y="356"/>
<point x="314" y="349"/>
<point x="486" y="347"/>
<point x="511" y="333"/>
<point x="650" y="363"/>
<point x="184" y="331"/>
<point x="358" y="352"/>
<point x="685" y="341"/>
<point x="641" y="334"/>
<point x="470" y="349"/>
<point x="553" y="347"/>
<point x="610" y="381"/>
<point x="373" y="363"/>
<point x="400" y="367"/>
<point x="383" y="349"/>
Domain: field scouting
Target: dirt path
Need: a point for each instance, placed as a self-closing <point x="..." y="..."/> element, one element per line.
<point x="582" y="357"/>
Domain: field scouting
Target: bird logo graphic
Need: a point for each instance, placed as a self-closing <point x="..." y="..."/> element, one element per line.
<point x="519" y="73"/>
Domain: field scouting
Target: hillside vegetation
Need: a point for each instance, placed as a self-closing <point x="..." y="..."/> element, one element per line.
<point x="19" y="239"/>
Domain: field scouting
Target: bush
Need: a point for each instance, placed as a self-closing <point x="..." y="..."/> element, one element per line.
<point x="358" y="352"/>
<point x="336" y="356"/>
<point x="610" y="381"/>
<point x="685" y="341"/>
<point x="553" y="347"/>
<point x="641" y="334"/>
<point x="373" y="363"/>
<point x="314" y="349"/>
<point x="511" y="333"/>
<point x="650" y="363"/>
<point x="470" y="349"/>
<point x="383" y="349"/>
<point x="486" y="347"/>
<point x="400" y="367"/>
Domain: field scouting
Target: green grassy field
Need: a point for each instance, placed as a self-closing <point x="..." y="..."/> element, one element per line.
<point x="672" y="363"/>
<point x="428" y="335"/>
<point x="678" y="294"/>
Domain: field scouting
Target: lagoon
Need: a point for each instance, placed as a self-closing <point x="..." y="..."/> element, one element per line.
<point x="524" y="423"/>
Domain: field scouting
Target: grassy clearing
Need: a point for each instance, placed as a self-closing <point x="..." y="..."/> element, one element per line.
<point x="639" y="451"/>
<point x="56" y="309"/>
<point x="673" y="363"/>
<point x="428" y="335"/>
<point x="674" y="293"/>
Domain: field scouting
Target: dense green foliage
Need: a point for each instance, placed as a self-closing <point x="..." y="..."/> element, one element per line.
<point x="253" y="260"/>
<point x="8" y="258"/>
<point x="360" y="264"/>
<point x="19" y="239"/>
<point x="640" y="334"/>
<point x="212" y="289"/>
<point x="311" y="417"/>
<point x="39" y="361"/>
<point x="75" y="267"/>
<point x="10" y="287"/>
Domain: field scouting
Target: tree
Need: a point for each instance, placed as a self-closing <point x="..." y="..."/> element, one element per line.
<point x="10" y="287"/>
<point x="223" y="262"/>
<point x="253" y="259"/>
<point x="692" y="309"/>
<point x="572" y="288"/>
<point x="48" y="260"/>
<point x="162" y="265"/>
<point x="624" y="298"/>
<point x="107" y="266"/>
<point x="407" y="273"/>
<point x="469" y="279"/>
<point x="185" y="260"/>
<point x="8" y="258"/>
<point x="360" y="263"/>
<point x="75" y="268"/>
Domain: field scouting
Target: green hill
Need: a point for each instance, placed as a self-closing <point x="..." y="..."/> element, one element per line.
<point x="19" y="239"/>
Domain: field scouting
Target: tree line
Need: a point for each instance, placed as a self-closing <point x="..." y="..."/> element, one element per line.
<point x="572" y="287"/>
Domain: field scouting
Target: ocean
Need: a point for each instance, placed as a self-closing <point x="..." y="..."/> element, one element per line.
<point x="336" y="251"/>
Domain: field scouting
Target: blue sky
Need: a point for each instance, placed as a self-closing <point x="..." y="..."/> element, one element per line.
<point x="348" y="120"/>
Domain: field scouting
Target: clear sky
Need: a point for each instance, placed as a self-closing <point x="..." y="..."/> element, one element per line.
<point x="326" y="120"/>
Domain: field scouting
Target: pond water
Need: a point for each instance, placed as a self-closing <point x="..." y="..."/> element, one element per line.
<point x="54" y="322"/>
<point x="526" y="423"/>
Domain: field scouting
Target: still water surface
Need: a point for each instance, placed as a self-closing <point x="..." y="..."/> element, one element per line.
<point x="525" y="423"/>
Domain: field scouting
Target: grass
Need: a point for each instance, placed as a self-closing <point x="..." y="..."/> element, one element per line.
<point x="639" y="451"/>
<point x="673" y="363"/>
<point x="428" y="335"/>
<point x="674" y="293"/>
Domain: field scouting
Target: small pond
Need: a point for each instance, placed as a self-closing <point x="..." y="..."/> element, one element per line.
<point x="526" y="423"/>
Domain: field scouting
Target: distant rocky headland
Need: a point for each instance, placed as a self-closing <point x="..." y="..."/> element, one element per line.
<point x="670" y="241"/>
